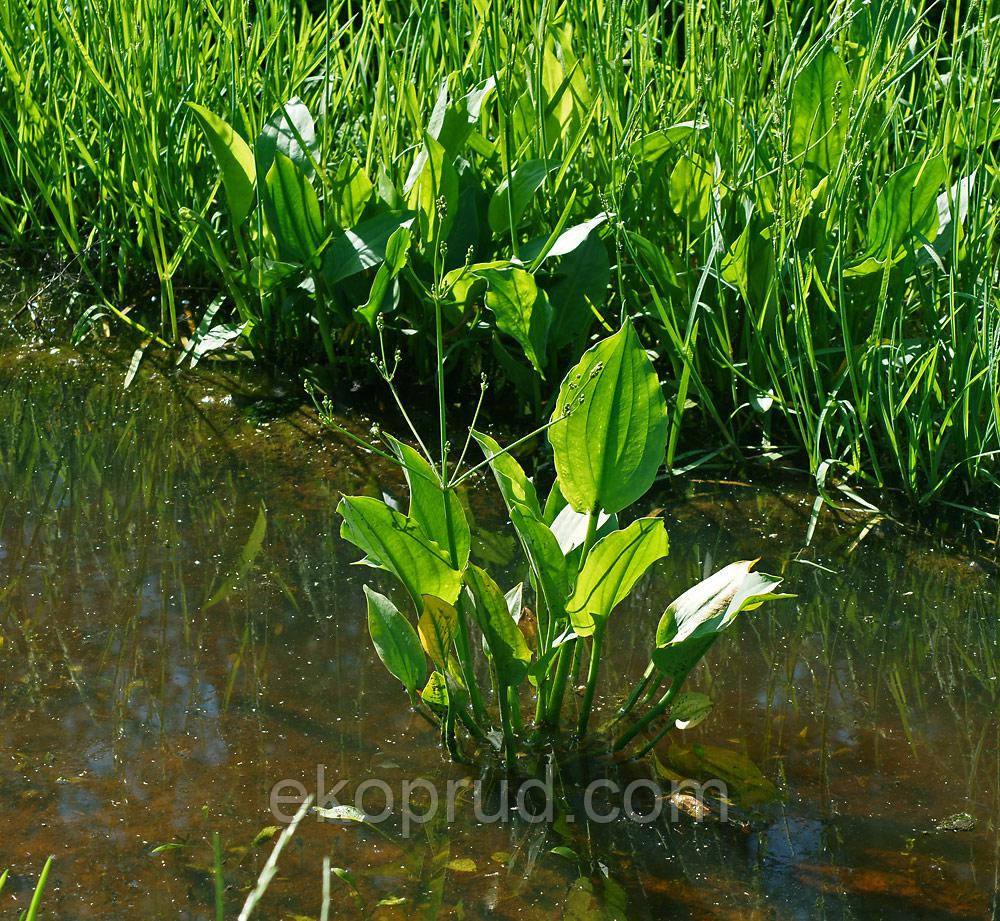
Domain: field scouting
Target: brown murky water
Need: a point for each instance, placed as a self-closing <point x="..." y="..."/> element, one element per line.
<point x="133" y="715"/>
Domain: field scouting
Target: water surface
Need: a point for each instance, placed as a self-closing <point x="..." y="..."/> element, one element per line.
<point x="133" y="714"/>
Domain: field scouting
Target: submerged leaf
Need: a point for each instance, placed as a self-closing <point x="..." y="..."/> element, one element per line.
<point x="244" y="560"/>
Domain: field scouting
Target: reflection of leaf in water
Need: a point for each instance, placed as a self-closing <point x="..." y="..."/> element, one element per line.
<point x="244" y="560"/>
<point x="584" y="904"/>
<point x="745" y="784"/>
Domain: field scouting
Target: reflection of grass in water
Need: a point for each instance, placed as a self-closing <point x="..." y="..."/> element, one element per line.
<point x="103" y="515"/>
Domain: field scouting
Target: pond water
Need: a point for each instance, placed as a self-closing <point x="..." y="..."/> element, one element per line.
<point x="134" y="714"/>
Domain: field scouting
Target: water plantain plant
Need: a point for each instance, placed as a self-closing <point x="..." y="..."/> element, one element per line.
<point x="312" y="251"/>
<point x="608" y="434"/>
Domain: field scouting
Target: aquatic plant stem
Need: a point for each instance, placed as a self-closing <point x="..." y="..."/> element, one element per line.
<point x="637" y="691"/>
<point x="566" y="655"/>
<point x="509" y="746"/>
<point x="592" y="674"/>
<point x="658" y="709"/>
<point x="220" y="882"/>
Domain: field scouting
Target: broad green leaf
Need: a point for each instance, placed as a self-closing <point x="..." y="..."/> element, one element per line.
<point x="505" y="641"/>
<point x="906" y="209"/>
<point x="677" y="659"/>
<point x="522" y="310"/>
<point x="244" y="560"/>
<point x="293" y="210"/>
<point x="396" y="641"/>
<point x="437" y="628"/>
<point x="511" y="201"/>
<point x="435" y="180"/>
<point x="363" y="246"/>
<point x="516" y="488"/>
<point x="399" y="545"/>
<point x="820" y="111"/>
<point x="457" y="121"/>
<point x="349" y="193"/>
<point x="609" y="447"/>
<point x="290" y="131"/>
<point x="235" y="159"/>
<point x="439" y="512"/>
<point x="580" y="289"/>
<point x="693" y="621"/>
<point x="691" y="182"/>
<point x="397" y="250"/>
<point x="545" y="559"/>
<point x="613" y="566"/>
<point x="652" y="146"/>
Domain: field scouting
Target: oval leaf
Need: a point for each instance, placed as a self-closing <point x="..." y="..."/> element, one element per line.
<point x="820" y="111"/>
<point x="522" y="310"/>
<point x="612" y="568"/>
<point x="608" y="449"/>
<point x="395" y="641"/>
<point x="398" y="544"/>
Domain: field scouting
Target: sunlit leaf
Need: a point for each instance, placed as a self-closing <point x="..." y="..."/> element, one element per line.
<point x="437" y="628"/>
<point x="609" y="448"/>
<point x="522" y="310"/>
<point x="612" y="568"/>
<point x="235" y="159"/>
<point x="438" y="511"/>
<point x="820" y="111"/>
<point x="289" y="131"/>
<point x="398" y="544"/>
<point x="293" y="210"/>
<point x="694" y="620"/>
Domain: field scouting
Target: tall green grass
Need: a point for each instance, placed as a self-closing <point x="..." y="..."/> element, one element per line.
<point x="743" y="255"/>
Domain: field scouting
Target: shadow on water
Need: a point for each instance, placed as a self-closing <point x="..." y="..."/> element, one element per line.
<point x="181" y="629"/>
